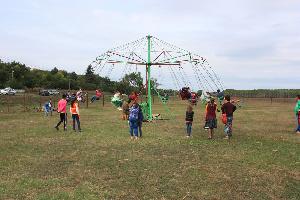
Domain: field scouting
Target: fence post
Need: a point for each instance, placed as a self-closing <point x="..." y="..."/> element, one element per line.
<point x="24" y="102"/>
<point x="103" y="100"/>
<point x="40" y="101"/>
<point x="7" y="100"/>
<point x="87" y="100"/>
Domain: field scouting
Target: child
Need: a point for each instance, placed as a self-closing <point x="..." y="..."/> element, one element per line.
<point x="189" y="115"/>
<point x="61" y="109"/>
<point x="74" y="110"/>
<point x="228" y="108"/>
<point x="210" y="117"/>
<point x="297" y="112"/>
<point x="97" y="96"/>
<point x="140" y="120"/>
<point x="47" y="108"/>
<point x="133" y="120"/>
<point x="50" y="107"/>
<point x="125" y="110"/>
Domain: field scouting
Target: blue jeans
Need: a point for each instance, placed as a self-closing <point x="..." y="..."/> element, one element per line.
<point x="133" y="128"/>
<point x="94" y="98"/>
<point x="228" y="126"/>
<point x="76" y="117"/>
<point x="189" y="128"/>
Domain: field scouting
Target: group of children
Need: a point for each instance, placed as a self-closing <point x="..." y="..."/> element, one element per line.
<point x="227" y="108"/>
<point x="62" y="110"/>
<point x="132" y="112"/>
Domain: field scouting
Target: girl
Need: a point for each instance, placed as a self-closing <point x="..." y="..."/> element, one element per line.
<point x="74" y="110"/>
<point x="189" y="115"/>
<point x="133" y="120"/>
<point x="210" y="117"/>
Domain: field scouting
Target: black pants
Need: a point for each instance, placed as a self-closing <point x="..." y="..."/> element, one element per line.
<point x="76" y="117"/>
<point x="63" y="119"/>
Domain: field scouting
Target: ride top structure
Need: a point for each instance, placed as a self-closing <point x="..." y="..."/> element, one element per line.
<point x="185" y="68"/>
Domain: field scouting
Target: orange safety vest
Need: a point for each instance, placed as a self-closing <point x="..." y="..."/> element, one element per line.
<point x="74" y="108"/>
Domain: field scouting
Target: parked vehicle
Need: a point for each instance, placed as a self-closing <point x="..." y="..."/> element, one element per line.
<point x="44" y="93"/>
<point x="53" y="92"/>
<point x="8" y="91"/>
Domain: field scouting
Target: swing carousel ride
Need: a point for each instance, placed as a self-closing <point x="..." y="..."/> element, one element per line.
<point x="155" y="58"/>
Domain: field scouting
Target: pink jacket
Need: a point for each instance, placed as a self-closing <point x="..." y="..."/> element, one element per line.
<point x="62" y="106"/>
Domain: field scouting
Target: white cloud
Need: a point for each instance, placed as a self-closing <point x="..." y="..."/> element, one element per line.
<point x="252" y="39"/>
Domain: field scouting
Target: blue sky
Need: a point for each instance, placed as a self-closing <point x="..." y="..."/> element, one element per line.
<point x="251" y="44"/>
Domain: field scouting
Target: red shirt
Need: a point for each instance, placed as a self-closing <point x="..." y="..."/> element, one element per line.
<point x="210" y="111"/>
<point x="62" y="106"/>
<point x="98" y="93"/>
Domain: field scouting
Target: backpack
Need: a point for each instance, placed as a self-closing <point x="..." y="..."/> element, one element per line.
<point x="224" y="118"/>
<point x="134" y="114"/>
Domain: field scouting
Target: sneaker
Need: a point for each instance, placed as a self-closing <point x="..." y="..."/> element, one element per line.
<point x="226" y="137"/>
<point x="56" y="128"/>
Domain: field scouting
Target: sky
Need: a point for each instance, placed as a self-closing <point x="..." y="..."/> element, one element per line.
<point x="251" y="44"/>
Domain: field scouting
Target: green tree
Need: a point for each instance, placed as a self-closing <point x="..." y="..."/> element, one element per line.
<point x="89" y="75"/>
<point x="54" y="70"/>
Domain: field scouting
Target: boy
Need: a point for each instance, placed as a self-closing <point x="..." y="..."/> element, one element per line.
<point x="61" y="109"/>
<point x="228" y="108"/>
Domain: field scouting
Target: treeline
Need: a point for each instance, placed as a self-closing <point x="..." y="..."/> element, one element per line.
<point x="264" y="93"/>
<point x="19" y="76"/>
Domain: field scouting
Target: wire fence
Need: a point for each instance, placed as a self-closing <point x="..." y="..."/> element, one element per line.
<point x="29" y="102"/>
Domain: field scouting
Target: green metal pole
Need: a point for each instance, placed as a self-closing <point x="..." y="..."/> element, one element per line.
<point x="149" y="80"/>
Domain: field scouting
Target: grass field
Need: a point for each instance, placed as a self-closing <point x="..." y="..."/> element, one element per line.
<point x="261" y="161"/>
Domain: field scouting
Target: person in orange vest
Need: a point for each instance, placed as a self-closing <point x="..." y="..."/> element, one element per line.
<point x="74" y="110"/>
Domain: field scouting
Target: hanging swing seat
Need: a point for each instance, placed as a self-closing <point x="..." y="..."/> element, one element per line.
<point x="165" y="98"/>
<point x="117" y="101"/>
<point x="185" y="93"/>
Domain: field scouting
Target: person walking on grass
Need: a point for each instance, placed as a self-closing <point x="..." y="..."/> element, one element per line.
<point x="297" y="113"/>
<point x="133" y="120"/>
<point x="227" y="109"/>
<point x="74" y="110"/>
<point x="210" y="117"/>
<point x="61" y="109"/>
<point x="47" y="108"/>
<point x="140" y="121"/>
<point x="189" y="115"/>
<point x="125" y="110"/>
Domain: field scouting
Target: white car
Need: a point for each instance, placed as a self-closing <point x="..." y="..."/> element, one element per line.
<point x="53" y="92"/>
<point x="8" y="91"/>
